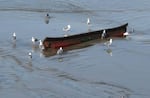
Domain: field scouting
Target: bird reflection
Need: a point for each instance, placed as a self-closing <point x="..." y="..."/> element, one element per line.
<point x="34" y="48"/>
<point x="109" y="51"/>
<point x="60" y="59"/>
<point x="28" y="66"/>
<point x="14" y="43"/>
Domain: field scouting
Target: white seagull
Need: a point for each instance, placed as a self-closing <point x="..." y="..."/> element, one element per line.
<point x="34" y="40"/>
<point x="108" y="43"/>
<point x="60" y="51"/>
<point x="88" y="21"/>
<point x="47" y="17"/>
<point x="14" y="35"/>
<point x="125" y="34"/>
<point x="103" y="34"/>
<point x="30" y="55"/>
<point x="41" y="45"/>
<point x="67" y="28"/>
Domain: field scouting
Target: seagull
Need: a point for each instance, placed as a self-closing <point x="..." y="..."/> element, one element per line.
<point x="103" y="34"/>
<point x="41" y="45"/>
<point x="108" y="43"/>
<point x="88" y="21"/>
<point x="30" y="55"/>
<point x="60" y="51"/>
<point x="14" y="35"/>
<point x="125" y="34"/>
<point x="34" y="40"/>
<point x="67" y="28"/>
<point x="47" y="17"/>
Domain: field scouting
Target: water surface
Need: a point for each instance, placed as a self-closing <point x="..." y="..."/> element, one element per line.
<point x="90" y="72"/>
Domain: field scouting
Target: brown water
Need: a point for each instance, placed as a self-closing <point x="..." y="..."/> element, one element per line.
<point x="91" y="72"/>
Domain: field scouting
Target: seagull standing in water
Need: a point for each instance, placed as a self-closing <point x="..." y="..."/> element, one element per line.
<point x="14" y="36"/>
<point x="30" y="55"/>
<point x="47" y="17"/>
<point x="108" y="43"/>
<point x="126" y="34"/>
<point x="88" y="21"/>
<point x="66" y="29"/>
<point x="103" y="34"/>
<point x="41" y="45"/>
<point x="60" y="51"/>
<point x="34" y="40"/>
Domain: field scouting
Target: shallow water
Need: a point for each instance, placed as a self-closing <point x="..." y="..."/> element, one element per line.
<point x="90" y="72"/>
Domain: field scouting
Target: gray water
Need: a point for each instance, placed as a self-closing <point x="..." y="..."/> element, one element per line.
<point x="122" y="71"/>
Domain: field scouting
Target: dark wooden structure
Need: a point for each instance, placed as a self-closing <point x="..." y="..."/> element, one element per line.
<point x="57" y="42"/>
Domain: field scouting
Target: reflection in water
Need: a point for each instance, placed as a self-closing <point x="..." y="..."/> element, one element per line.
<point x="51" y="52"/>
<point x="14" y="43"/>
<point x="29" y="65"/>
<point x="60" y="59"/>
<point x="109" y="51"/>
<point x="35" y="48"/>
